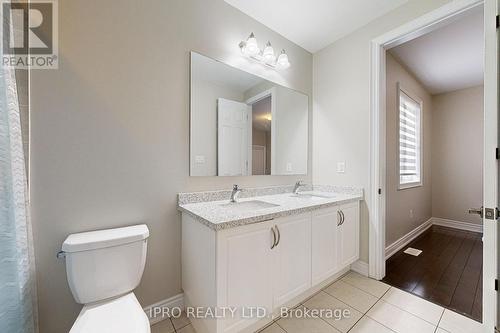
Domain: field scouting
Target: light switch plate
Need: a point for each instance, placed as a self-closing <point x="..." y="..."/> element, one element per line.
<point x="289" y="167"/>
<point x="340" y="167"/>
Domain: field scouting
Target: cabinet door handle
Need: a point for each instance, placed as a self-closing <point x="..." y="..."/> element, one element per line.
<point x="274" y="238"/>
<point x="279" y="235"/>
<point x="343" y="217"/>
<point x="339" y="218"/>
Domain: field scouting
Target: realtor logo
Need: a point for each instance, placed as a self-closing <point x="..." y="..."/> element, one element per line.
<point x="29" y="34"/>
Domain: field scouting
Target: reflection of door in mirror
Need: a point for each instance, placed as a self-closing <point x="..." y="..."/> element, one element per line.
<point x="258" y="160"/>
<point x="232" y="138"/>
<point x="261" y="133"/>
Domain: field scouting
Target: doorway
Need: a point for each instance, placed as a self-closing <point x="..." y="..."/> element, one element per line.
<point x="261" y="136"/>
<point x="411" y="173"/>
<point x="434" y="92"/>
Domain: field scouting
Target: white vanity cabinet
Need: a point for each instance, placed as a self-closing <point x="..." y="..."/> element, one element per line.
<point x="335" y="240"/>
<point x="292" y="258"/>
<point x="263" y="265"/>
<point x="266" y="264"/>
<point x="245" y="263"/>
<point x="324" y="231"/>
<point x="348" y="234"/>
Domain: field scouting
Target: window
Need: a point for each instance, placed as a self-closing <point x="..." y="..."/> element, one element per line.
<point x="410" y="148"/>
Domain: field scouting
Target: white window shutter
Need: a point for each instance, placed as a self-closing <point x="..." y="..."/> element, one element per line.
<point x="409" y="140"/>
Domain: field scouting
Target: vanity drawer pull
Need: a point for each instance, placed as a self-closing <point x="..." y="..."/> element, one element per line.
<point x="340" y="218"/>
<point x="274" y="238"/>
<point x="279" y="235"/>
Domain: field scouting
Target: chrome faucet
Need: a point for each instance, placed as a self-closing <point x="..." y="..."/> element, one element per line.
<point x="236" y="192"/>
<point x="297" y="186"/>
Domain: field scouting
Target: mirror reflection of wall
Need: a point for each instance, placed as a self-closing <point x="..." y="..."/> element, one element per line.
<point x="243" y="125"/>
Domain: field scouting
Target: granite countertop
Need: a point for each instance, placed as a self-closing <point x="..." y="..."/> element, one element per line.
<point x="217" y="214"/>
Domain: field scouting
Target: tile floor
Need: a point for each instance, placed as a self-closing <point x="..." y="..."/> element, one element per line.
<point x="375" y="307"/>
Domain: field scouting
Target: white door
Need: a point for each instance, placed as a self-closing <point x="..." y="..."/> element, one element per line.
<point x="292" y="258"/>
<point x="490" y="169"/>
<point x="324" y="243"/>
<point x="245" y="272"/>
<point x="232" y="138"/>
<point x="258" y="160"/>
<point x="348" y="234"/>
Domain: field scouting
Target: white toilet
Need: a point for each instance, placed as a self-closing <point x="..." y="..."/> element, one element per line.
<point x="103" y="268"/>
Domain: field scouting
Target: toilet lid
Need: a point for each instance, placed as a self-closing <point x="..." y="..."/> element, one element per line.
<point x="119" y="315"/>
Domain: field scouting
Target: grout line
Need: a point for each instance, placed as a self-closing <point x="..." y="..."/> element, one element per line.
<point x="366" y="292"/>
<point x="413" y="314"/>
<point x="281" y="326"/>
<point x="171" y="322"/>
<point x="323" y="290"/>
<point x="439" y="322"/>
<point x="364" y="314"/>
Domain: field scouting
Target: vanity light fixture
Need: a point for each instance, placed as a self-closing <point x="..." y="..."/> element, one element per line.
<point x="250" y="48"/>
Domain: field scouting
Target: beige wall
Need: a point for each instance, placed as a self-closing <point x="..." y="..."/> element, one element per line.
<point x="110" y="130"/>
<point x="457" y="154"/>
<point x="204" y="96"/>
<point x="341" y="122"/>
<point x="399" y="220"/>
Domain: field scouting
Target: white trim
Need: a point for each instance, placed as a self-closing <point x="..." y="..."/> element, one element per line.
<point x="360" y="267"/>
<point x="260" y="96"/>
<point x="457" y="224"/>
<point x="490" y="167"/>
<point x="406" y="239"/>
<point x="379" y="45"/>
<point x="266" y="93"/>
<point x="176" y="301"/>
<point x="392" y="249"/>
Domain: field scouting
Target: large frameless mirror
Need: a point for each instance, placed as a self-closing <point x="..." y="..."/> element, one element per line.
<point x="243" y="125"/>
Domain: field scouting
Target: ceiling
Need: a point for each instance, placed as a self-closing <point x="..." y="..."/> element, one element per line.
<point x="315" y="24"/>
<point x="449" y="58"/>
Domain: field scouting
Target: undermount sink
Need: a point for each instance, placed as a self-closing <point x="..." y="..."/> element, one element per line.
<point x="312" y="196"/>
<point x="249" y="205"/>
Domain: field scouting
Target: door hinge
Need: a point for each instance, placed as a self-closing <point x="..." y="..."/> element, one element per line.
<point x="379" y="191"/>
<point x="496" y="284"/>
<point x="491" y="213"/>
<point x="497" y="154"/>
<point x="498" y="22"/>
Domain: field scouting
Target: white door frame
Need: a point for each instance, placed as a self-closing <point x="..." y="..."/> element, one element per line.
<point x="260" y="96"/>
<point x="418" y="27"/>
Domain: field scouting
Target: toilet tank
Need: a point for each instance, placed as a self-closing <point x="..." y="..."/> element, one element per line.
<point x="105" y="263"/>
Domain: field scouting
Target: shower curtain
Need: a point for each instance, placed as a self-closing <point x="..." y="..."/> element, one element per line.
<point x="17" y="285"/>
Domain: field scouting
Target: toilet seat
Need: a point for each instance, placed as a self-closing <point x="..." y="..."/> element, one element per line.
<point x="123" y="314"/>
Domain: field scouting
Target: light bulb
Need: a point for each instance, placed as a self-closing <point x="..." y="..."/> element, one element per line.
<point x="251" y="48"/>
<point x="268" y="54"/>
<point x="282" y="61"/>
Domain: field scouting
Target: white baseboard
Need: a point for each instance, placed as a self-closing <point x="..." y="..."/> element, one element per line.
<point x="164" y="308"/>
<point x="403" y="241"/>
<point x="457" y="224"/>
<point x="360" y="267"/>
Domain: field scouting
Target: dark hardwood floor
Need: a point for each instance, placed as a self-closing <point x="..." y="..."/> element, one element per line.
<point x="448" y="272"/>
